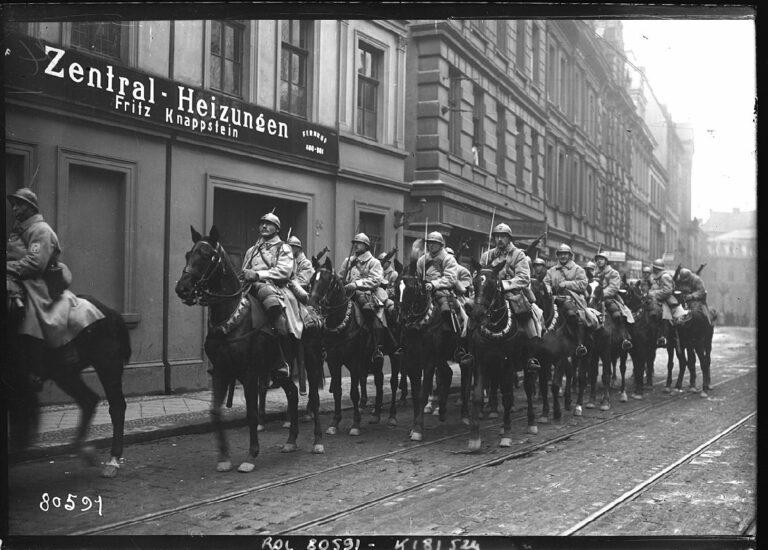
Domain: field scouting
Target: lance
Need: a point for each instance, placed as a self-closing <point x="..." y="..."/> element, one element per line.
<point x="490" y="231"/>
<point x="289" y="233"/>
<point x="351" y="250"/>
<point x="426" y="228"/>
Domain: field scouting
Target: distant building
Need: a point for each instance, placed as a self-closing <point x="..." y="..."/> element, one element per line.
<point x="731" y="272"/>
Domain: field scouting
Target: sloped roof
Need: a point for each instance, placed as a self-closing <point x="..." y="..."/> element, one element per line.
<point x="724" y="222"/>
<point x="738" y="235"/>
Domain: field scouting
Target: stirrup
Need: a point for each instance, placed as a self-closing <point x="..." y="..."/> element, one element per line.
<point x="661" y="342"/>
<point x="626" y="344"/>
<point x="581" y="350"/>
<point x="378" y="354"/>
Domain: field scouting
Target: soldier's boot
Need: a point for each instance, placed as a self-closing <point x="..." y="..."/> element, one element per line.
<point x="280" y="324"/>
<point x="661" y="341"/>
<point x="626" y="343"/>
<point x="573" y="322"/>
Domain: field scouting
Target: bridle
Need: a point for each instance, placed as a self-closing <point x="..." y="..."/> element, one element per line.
<point x="416" y="317"/>
<point x="326" y="308"/>
<point x="202" y="295"/>
<point x="497" y="311"/>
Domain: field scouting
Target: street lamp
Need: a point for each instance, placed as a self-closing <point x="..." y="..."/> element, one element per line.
<point x="401" y="218"/>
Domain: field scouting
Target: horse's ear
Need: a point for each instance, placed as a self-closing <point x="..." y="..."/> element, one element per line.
<point x="195" y="235"/>
<point x="213" y="237"/>
<point x="315" y="263"/>
<point x="327" y="265"/>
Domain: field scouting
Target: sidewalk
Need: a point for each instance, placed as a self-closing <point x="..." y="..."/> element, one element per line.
<point x="157" y="416"/>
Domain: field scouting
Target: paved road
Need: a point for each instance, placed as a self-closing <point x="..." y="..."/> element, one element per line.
<point x="533" y="488"/>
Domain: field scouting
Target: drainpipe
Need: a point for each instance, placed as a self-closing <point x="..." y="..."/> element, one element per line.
<point x="167" y="232"/>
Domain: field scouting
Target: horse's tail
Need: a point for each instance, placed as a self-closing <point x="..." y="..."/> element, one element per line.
<point x="117" y="321"/>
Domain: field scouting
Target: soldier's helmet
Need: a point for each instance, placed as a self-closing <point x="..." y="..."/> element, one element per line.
<point x="539" y="261"/>
<point x="435" y="237"/>
<point x="25" y="195"/>
<point x="685" y="274"/>
<point x="362" y="238"/>
<point x="646" y="269"/>
<point x="564" y="249"/>
<point x="449" y="250"/>
<point x="271" y="218"/>
<point x="658" y="264"/>
<point x="601" y="255"/>
<point x="295" y="241"/>
<point x="590" y="265"/>
<point x="503" y="229"/>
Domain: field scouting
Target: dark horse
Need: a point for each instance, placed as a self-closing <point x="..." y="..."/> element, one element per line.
<point x="238" y="346"/>
<point x="497" y="341"/>
<point x="104" y="345"/>
<point x="644" y="335"/>
<point x="343" y="339"/>
<point x="428" y="344"/>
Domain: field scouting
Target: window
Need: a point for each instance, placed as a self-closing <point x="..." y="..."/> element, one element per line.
<point x="561" y="180"/>
<point x="454" y="111"/>
<point x="520" y="153"/>
<point x="536" y="44"/>
<point x="520" y="45"/>
<point x="100" y="38"/>
<point x="501" y="141"/>
<point x="478" y="25"/>
<point x="562" y="81"/>
<point x="295" y="36"/>
<point x="577" y="96"/>
<point x="549" y="193"/>
<point x="478" y="131"/>
<point x="535" y="162"/>
<point x="368" y="75"/>
<point x="551" y="75"/>
<point x="227" y="57"/>
<point x="373" y="225"/>
<point x="502" y="38"/>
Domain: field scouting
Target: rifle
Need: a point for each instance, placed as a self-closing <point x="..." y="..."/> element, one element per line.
<point x="349" y="263"/>
<point x="534" y="247"/>
<point x="702" y="266"/>
<point x="677" y="272"/>
<point x="320" y="254"/>
<point x="390" y="254"/>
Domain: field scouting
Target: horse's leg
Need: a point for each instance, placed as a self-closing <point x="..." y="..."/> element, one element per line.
<point x="334" y="366"/>
<point x="678" y="350"/>
<point x="557" y="378"/>
<point x="69" y="380"/>
<point x="579" y="367"/>
<point x="507" y="390"/>
<point x="591" y="362"/>
<point x="466" y="393"/>
<point x="220" y="386"/>
<point x="445" y="375"/>
<point x="292" y="396"/>
<point x="607" y="378"/>
<point x="251" y="390"/>
<point x="110" y="373"/>
<point x="263" y="386"/>
<point x="703" y="351"/>
<point x="494" y="377"/>
<point x="415" y="378"/>
<point x="690" y="358"/>
<point x="544" y="391"/>
<point x="314" y="366"/>
<point x="427" y="388"/>
<point x="355" y="366"/>
<point x="477" y="401"/>
<point x="395" y="366"/>
<point x="623" y="370"/>
<point x="530" y="373"/>
<point x="378" y="379"/>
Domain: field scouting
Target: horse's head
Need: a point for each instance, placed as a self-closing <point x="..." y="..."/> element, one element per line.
<point x="411" y="296"/>
<point x="633" y="295"/>
<point x="487" y="288"/>
<point x="651" y="307"/>
<point x="596" y="296"/>
<point x="206" y="262"/>
<point x="324" y="284"/>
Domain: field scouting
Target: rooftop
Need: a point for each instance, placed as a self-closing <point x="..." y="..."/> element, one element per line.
<point x="737" y="235"/>
<point x="725" y="222"/>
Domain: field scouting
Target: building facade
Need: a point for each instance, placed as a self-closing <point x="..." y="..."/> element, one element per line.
<point x="131" y="132"/>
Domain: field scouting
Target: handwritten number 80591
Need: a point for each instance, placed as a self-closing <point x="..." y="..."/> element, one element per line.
<point x="70" y="503"/>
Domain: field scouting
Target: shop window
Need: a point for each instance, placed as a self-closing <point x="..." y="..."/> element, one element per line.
<point x="368" y="81"/>
<point x="94" y="245"/>
<point x="373" y="225"/>
<point x="294" y="66"/>
<point x="501" y="141"/>
<point x="227" y="57"/>
<point x="478" y="130"/>
<point x="103" y="38"/>
<point x="454" y="111"/>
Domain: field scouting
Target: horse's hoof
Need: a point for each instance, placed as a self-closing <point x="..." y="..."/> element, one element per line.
<point x="475" y="444"/>
<point x="436" y="412"/>
<point x="693" y="389"/>
<point x="224" y="466"/>
<point x="623" y="397"/>
<point x="589" y="405"/>
<point x="415" y="436"/>
<point x="543" y="419"/>
<point x="307" y="418"/>
<point x="260" y="427"/>
<point x="375" y="419"/>
<point x="679" y="390"/>
<point x="428" y="408"/>
<point x="354" y="431"/>
<point x="246" y="467"/>
<point x="287" y="424"/>
<point x="605" y="407"/>
<point x="331" y="430"/>
<point x="505" y="442"/>
<point x="88" y="454"/>
<point x="704" y="394"/>
<point x="533" y="430"/>
<point x="318" y="449"/>
<point x="667" y="389"/>
<point x="493" y="414"/>
<point x="637" y="396"/>
<point x="465" y="421"/>
<point x="577" y="411"/>
<point x="109" y="471"/>
<point x="289" y="448"/>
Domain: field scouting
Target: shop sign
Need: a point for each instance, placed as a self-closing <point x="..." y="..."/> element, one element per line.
<point x="37" y="68"/>
<point x="615" y="255"/>
<point x="527" y="229"/>
<point x="634" y="265"/>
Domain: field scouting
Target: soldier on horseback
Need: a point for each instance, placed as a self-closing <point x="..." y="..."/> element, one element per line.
<point x="463" y="289"/>
<point x="388" y="284"/>
<point x="363" y="276"/>
<point x="302" y="270"/>
<point x="440" y="270"/>
<point x="589" y="269"/>
<point x="52" y="313"/>
<point x="268" y="265"/>
<point x="663" y="291"/>
<point x="539" y="269"/>
<point x="568" y="282"/>
<point x="645" y="280"/>
<point x="610" y="281"/>
<point x="693" y="292"/>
